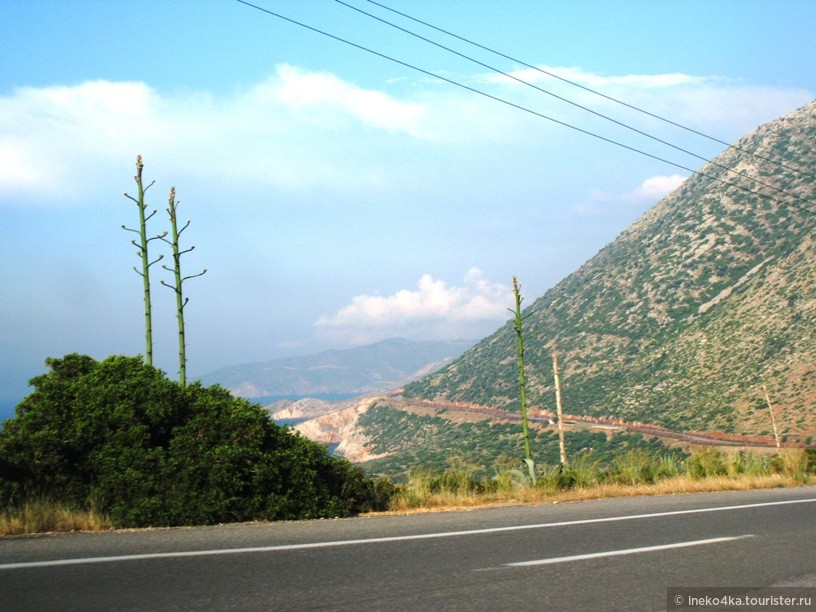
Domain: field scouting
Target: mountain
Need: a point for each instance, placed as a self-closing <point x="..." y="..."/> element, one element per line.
<point x="376" y="367"/>
<point x="683" y="318"/>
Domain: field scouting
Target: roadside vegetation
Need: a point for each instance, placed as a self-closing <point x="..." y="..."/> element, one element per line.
<point x="465" y="485"/>
<point x="116" y="443"/>
<point x="587" y="477"/>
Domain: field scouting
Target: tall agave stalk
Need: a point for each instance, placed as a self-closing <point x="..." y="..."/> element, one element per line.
<point x="181" y="301"/>
<point x="518" y="319"/>
<point x="142" y="245"/>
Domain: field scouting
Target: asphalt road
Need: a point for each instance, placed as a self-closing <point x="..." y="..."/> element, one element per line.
<point x="620" y="554"/>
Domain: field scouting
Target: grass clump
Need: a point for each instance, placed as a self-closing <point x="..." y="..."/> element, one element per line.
<point x="41" y="515"/>
<point x="796" y="465"/>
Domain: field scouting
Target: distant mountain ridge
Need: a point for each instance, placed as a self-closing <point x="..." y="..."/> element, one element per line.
<point x="682" y="318"/>
<point x="366" y="369"/>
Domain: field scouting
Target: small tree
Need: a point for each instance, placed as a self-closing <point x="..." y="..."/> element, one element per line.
<point x="181" y="301"/>
<point x="142" y="245"/>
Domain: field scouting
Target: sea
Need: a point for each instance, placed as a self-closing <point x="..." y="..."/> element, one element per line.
<point x="328" y="397"/>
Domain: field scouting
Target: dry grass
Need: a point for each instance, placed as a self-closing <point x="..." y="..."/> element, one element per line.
<point x="44" y="516"/>
<point x="447" y="500"/>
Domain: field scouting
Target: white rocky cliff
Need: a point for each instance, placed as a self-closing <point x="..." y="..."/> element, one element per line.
<point x="341" y="426"/>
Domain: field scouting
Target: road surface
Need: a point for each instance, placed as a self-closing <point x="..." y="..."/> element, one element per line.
<point x="620" y="554"/>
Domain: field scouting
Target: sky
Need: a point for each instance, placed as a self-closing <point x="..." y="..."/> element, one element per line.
<point x="336" y="197"/>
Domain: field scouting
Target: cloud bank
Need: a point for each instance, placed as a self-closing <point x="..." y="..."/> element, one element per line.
<point x="294" y="130"/>
<point x="706" y="102"/>
<point x="301" y="130"/>
<point x="434" y="307"/>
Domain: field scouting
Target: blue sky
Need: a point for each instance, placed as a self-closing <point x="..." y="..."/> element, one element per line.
<point x="337" y="198"/>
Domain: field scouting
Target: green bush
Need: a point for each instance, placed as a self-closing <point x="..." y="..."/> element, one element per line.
<point x="118" y="437"/>
<point x="634" y="468"/>
<point x="704" y="463"/>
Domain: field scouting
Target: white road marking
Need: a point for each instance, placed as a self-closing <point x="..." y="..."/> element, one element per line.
<point x="421" y="536"/>
<point x="626" y="551"/>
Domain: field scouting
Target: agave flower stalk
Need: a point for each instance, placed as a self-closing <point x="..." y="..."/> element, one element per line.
<point x="518" y="319"/>
<point x="142" y="253"/>
<point x="181" y="301"/>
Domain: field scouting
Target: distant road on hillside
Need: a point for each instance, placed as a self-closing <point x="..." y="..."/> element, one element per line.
<point x="445" y="409"/>
<point x="600" y="555"/>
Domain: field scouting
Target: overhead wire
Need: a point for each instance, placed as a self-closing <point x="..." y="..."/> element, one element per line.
<point x="572" y="103"/>
<point x="516" y="106"/>
<point x="638" y="109"/>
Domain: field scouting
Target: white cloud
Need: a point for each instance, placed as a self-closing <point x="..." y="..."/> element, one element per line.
<point x="17" y="172"/>
<point x="655" y="188"/>
<point x="294" y="130"/>
<point x="45" y="133"/>
<point x="299" y="131"/>
<point x="649" y="192"/>
<point x="597" y="81"/>
<point x="715" y="104"/>
<point x="434" y="309"/>
<point x="311" y="91"/>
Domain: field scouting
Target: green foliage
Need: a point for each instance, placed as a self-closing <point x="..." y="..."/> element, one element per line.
<point x="508" y="475"/>
<point x="461" y="482"/>
<point x="459" y="478"/>
<point x="706" y="462"/>
<point x="413" y="440"/>
<point x="635" y="467"/>
<point x="120" y="438"/>
<point x="582" y="472"/>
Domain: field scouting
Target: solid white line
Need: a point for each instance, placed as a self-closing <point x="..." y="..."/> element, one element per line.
<point x="421" y="536"/>
<point x="626" y="551"/>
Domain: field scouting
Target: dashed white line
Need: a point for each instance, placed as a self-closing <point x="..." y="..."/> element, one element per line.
<point x="625" y="551"/>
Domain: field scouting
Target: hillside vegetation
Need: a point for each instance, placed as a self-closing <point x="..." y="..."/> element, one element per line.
<point x="682" y="318"/>
<point x="411" y="440"/>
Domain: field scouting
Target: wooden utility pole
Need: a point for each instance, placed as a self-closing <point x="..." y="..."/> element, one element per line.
<point x="773" y="419"/>
<point x="561" y="441"/>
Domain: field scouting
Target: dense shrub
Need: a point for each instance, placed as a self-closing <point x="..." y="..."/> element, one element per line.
<point x="117" y="436"/>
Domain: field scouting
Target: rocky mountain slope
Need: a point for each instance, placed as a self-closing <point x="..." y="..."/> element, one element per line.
<point x="682" y="318"/>
<point x="305" y="408"/>
<point x="366" y="369"/>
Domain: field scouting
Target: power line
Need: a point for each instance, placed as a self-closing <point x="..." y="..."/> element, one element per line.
<point x="575" y="104"/>
<point x="517" y="106"/>
<point x="597" y="93"/>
